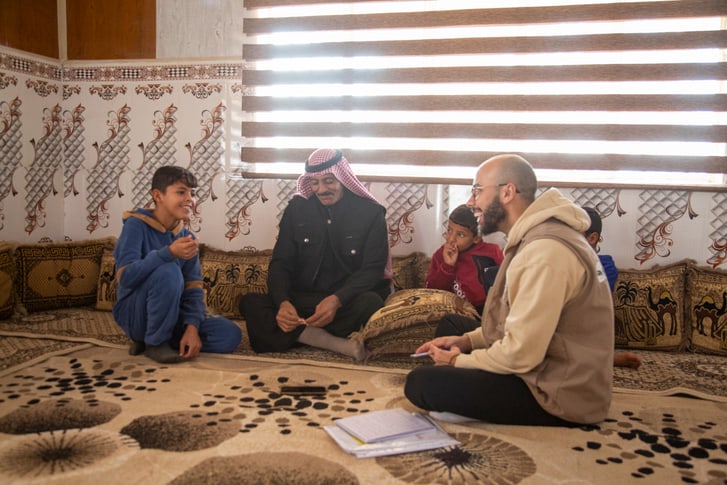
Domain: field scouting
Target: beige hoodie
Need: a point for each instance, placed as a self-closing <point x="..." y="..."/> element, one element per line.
<point x="549" y="316"/>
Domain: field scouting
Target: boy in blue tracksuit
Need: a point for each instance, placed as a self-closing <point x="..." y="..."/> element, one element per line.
<point x="160" y="301"/>
<point x="593" y="236"/>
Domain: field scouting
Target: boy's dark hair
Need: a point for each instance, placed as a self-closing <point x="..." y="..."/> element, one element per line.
<point x="596" y="223"/>
<point x="464" y="216"/>
<point x="171" y="174"/>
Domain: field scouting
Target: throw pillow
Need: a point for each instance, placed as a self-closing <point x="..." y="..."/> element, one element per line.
<point x="707" y="310"/>
<point x="404" y="271"/>
<point x="58" y="275"/>
<point x="7" y="292"/>
<point x="649" y="307"/>
<point x="106" y="296"/>
<point x="227" y="275"/>
<point x="409" y="318"/>
<point x="410" y="271"/>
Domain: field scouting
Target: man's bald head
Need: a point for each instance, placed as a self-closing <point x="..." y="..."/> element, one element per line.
<point x="513" y="168"/>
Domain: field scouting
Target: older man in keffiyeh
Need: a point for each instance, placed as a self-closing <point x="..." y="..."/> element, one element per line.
<point x="331" y="265"/>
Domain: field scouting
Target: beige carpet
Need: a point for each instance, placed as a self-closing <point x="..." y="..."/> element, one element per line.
<point x="662" y="374"/>
<point x="98" y="415"/>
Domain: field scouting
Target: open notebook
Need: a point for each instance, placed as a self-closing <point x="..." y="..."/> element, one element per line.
<point x="388" y="432"/>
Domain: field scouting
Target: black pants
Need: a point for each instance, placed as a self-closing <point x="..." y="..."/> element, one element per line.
<point x="475" y="393"/>
<point x="267" y="336"/>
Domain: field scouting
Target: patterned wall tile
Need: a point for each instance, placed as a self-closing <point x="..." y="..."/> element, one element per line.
<point x="10" y="149"/>
<point x="241" y="196"/>
<point x="719" y="234"/>
<point x="154" y="91"/>
<point x="659" y="210"/>
<point x="286" y="190"/>
<point x="108" y="157"/>
<point x="7" y="80"/>
<point x="605" y="201"/>
<point x="112" y="161"/>
<point x="42" y="88"/>
<point x="207" y="159"/>
<point x="202" y="90"/>
<point x="159" y="151"/>
<point x="48" y="160"/>
<point x="107" y="92"/>
<point x="73" y="149"/>
<point x="402" y="201"/>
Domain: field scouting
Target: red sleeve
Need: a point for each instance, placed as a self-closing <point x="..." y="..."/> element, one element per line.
<point x="441" y="275"/>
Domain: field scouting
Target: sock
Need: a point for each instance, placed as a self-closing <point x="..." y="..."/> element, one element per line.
<point x="163" y="354"/>
<point x="318" y="337"/>
<point x="137" y="347"/>
<point x="448" y="417"/>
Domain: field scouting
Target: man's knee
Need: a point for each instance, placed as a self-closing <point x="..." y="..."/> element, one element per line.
<point x="414" y="384"/>
<point x="252" y="301"/>
<point x="367" y="303"/>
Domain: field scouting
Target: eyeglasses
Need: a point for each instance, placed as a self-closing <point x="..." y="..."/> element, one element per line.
<point x="477" y="188"/>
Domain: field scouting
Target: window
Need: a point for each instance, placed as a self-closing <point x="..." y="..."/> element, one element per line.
<point x="588" y="91"/>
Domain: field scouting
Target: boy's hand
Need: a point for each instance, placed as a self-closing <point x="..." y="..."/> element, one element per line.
<point x="450" y="254"/>
<point x="190" y="345"/>
<point x="184" y="247"/>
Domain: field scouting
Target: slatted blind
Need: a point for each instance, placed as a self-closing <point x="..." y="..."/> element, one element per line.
<point x="439" y="86"/>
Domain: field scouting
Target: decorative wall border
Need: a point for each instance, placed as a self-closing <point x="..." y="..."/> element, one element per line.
<point x="173" y="72"/>
<point x="29" y="66"/>
<point x="92" y="71"/>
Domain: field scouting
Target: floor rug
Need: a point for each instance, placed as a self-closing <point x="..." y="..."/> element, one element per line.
<point x="99" y="415"/>
<point x="662" y="373"/>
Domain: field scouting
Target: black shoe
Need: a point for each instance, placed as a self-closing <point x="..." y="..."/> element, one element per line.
<point x="137" y="347"/>
<point x="163" y="354"/>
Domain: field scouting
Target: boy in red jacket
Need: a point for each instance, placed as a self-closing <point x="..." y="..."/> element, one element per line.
<point x="464" y="265"/>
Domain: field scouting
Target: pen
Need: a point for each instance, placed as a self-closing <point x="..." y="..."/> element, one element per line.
<point x="420" y="354"/>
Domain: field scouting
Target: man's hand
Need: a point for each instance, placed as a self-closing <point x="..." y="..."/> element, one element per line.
<point x="184" y="247"/>
<point x="287" y="317"/>
<point x="450" y="253"/>
<point x="444" y="350"/>
<point x="191" y="344"/>
<point x="444" y="357"/>
<point x="325" y="312"/>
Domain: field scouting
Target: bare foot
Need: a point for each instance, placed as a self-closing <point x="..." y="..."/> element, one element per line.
<point x="627" y="359"/>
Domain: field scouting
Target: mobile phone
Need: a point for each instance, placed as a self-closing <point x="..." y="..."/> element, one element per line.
<point x="302" y="390"/>
<point x="420" y="354"/>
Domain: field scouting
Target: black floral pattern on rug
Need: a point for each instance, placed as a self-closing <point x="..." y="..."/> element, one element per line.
<point x="58" y="414"/>
<point x="269" y="468"/>
<point x="40" y="456"/>
<point x="478" y="459"/>
<point x="261" y="401"/>
<point x="181" y="431"/>
<point x="646" y="435"/>
<point x="82" y="396"/>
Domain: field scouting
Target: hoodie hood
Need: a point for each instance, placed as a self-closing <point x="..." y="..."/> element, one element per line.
<point x="148" y="218"/>
<point x="550" y="205"/>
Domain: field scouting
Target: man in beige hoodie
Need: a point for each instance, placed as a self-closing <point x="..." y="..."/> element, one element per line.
<point x="544" y="353"/>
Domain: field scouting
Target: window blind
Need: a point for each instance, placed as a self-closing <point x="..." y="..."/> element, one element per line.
<point x="428" y="89"/>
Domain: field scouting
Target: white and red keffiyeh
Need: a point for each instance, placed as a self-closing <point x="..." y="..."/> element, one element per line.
<point x="329" y="160"/>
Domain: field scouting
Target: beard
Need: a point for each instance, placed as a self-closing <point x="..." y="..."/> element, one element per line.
<point x="492" y="217"/>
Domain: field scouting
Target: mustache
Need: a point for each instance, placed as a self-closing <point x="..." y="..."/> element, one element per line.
<point x="325" y="194"/>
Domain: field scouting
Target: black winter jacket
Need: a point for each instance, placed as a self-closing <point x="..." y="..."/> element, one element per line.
<point x="341" y="249"/>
